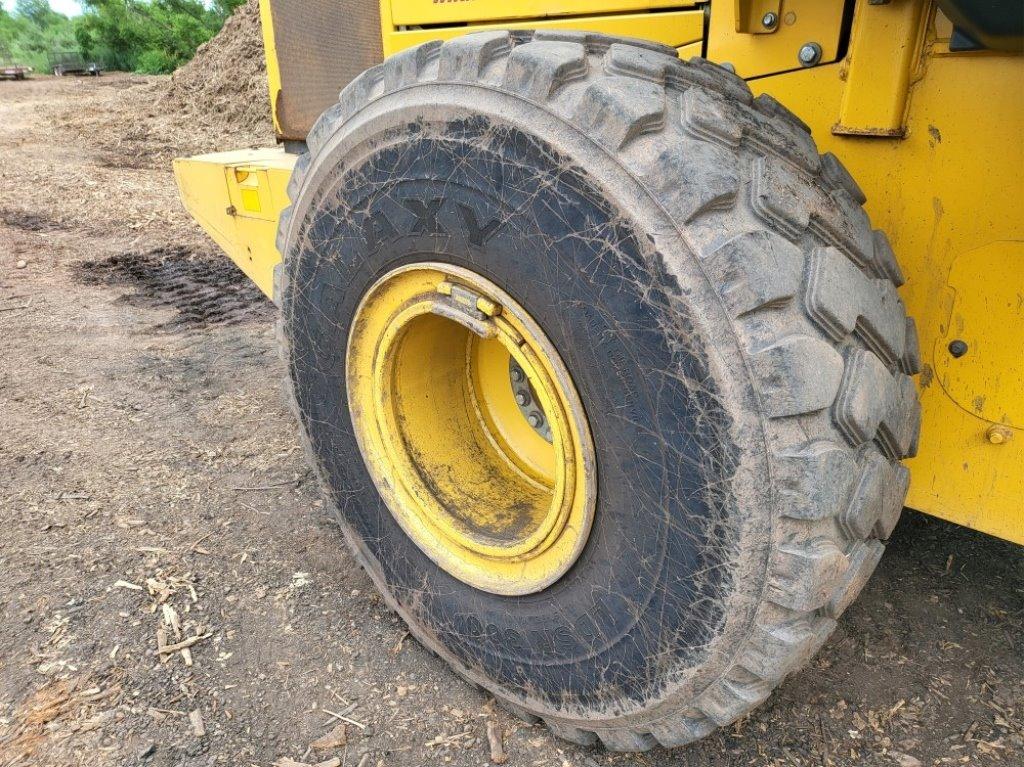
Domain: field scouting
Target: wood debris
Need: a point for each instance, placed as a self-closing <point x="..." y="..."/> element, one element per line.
<point x="195" y="718"/>
<point x="336" y="738"/>
<point x="173" y="648"/>
<point x="344" y="718"/>
<point x="287" y="762"/>
<point x="494" y="739"/>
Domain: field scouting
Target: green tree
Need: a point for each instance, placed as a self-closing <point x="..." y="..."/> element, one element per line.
<point x="151" y="36"/>
<point x="32" y="32"/>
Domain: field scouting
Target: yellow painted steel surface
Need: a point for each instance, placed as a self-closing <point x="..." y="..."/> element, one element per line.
<point x="237" y="197"/>
<point x="411" y="12"/>
<point x="739" y="38"/>
<point x="433" y="359"/>
<point x="878" y="87"/>
<point x="270" y="54"/>
<point x="674" y="28"/>
<point x="934" y="138"/>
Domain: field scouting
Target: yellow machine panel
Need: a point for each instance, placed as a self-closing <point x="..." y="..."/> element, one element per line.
<point x="935" y="139"/>
<point x="760" y="38"/>
<point x="675" y="28"/>
<point x="413" y="12"/>
<point x="237" y="197"/>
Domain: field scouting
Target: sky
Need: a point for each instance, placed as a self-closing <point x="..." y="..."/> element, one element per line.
<point x="67" y="7"/>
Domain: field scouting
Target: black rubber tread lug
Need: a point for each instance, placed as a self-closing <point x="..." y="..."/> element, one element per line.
<point x="884" y="259"/>
<point x="730" y="698"/>
<point x="892" y="503"/>
<point x="361" y="91"/>
<point x="682" y="728"/>
<point x="787" y="202"/>
<point x="616" y="110"/>
<point x="816" y="480"/>
<point x="537" y="69"/>
<point x="770" y="106"/>
<point x="872" y="402"/>
<point x="837" y="175"/>
<point x="668" y="69"/>
<point x="858" y="519"/>
<point x="596" y="42"/>
<point x="325" y="124"/>
<point x="283" y="223"/>
<point x="517" y="711"/>
<point x="711" y="174"/>
<point x="778" y="650"/>
<point x="804" y="574"/>
<point x="404" y="68"/>
<point x="626" y="740"/>
<point x="755" y="270"/>
<point x="298" y="175"/>
<point x="568" y="732"/>
<point x="863" y="560"/>
<point x="465" y="58"/>
<point x="841" y="298"/>
<point x="910" y="362"/>
<point x="797" y="374"/>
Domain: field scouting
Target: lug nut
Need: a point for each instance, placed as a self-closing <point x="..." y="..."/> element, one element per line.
<point x="517" y="375"/>
<point x="535" y="420"/>
<point x="769" y="20"/>
<point x="522" y="397"/>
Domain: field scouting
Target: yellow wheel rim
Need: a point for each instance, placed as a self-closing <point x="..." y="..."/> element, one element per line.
<point x="471" y="428"/>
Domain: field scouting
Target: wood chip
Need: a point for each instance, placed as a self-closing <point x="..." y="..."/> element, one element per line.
<point x="398" y="645"/>
<point x="336" y="738"/>
<point x="196" y="718"/>
<point x="127" y="585"/>
<point x="344" y="718"/>
<point x="172" y="648"/>
<point x="161" y="644"/>
<point x="905" y="760"/>
<point x="497" y="747"/>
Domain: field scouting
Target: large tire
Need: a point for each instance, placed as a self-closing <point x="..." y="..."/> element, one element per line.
<point x="731" y="322"/>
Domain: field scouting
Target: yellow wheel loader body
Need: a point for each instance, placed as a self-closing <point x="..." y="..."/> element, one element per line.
<point x="932" y="133"/>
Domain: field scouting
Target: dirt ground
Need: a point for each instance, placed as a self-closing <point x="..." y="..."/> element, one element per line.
<point x="152" y="490"/>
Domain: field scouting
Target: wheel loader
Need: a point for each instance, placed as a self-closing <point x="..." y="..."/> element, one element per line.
<point x="619" y="333"/>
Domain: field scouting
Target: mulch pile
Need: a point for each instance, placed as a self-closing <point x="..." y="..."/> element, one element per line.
<point x="217" y="101"/>
<point x="224" y="87"/>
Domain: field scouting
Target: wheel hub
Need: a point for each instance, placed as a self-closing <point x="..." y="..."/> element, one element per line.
<point x="471" y="428"/>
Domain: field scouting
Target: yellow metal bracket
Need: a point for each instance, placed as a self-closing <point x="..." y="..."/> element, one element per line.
<point x="761" y="38"/>
<point x="884" y="57"/>
<point x="270" y="55"/>
<point x="757" y="17"/>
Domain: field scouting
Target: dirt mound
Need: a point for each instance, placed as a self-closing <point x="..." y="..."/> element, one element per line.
<point x="225" y="84"/>
<point x="217" y="101"/>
